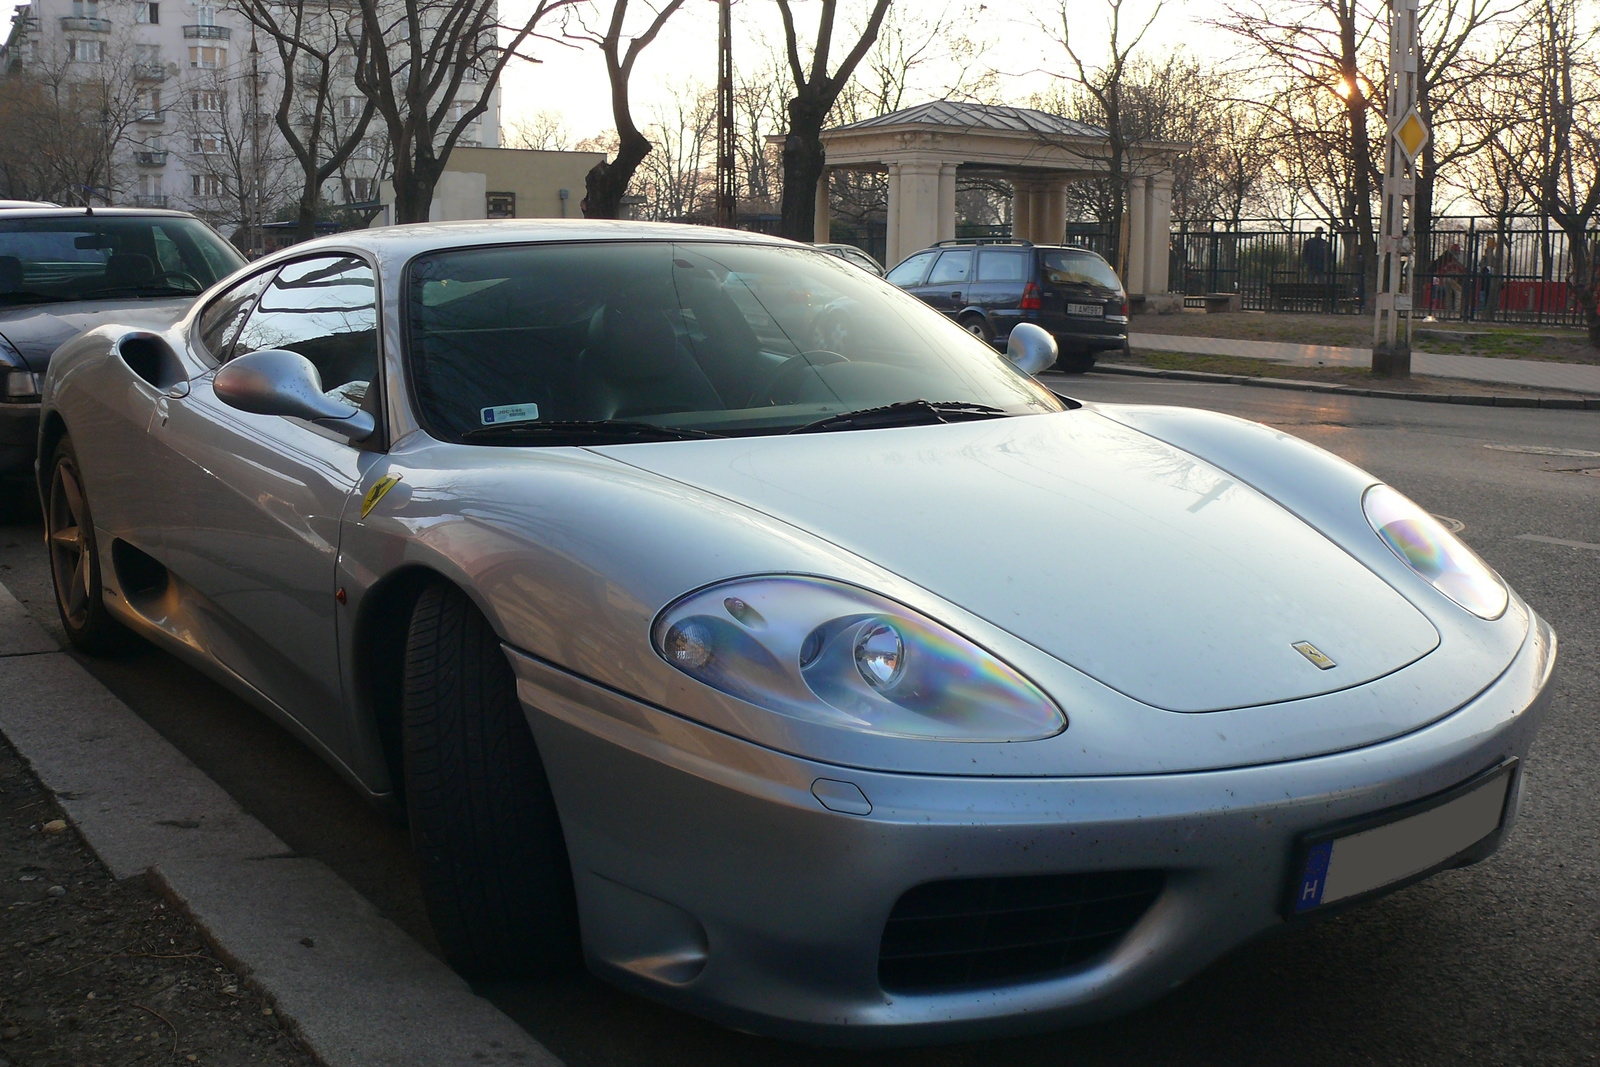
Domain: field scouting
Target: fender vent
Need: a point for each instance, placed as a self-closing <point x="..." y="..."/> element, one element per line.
<point x="988" y="931"/>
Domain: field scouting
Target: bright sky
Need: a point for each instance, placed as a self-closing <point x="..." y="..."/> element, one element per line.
<point x="572" y="81"/>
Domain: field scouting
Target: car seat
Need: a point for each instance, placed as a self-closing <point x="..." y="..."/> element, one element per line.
<point x="635" y="365"/>
<point x="126" y="269"/>
<point x="10" y="274"/>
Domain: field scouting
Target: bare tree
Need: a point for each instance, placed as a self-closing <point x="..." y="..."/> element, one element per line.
<point x="234" y="162"/>
<point x="758" y="101"/>
<point x="815" y="91"/>
<point x="543" y="131"/>
<point x="315" y="41"/>
<point x="433" y="78"/>
<point x="679" y="173"/>
<point x="607" y="183"/>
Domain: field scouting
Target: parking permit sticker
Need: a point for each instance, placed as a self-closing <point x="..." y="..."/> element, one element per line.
<point x="510" y="413"/>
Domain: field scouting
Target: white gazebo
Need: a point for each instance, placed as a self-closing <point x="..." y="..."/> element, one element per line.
<point x="924" y="148"/>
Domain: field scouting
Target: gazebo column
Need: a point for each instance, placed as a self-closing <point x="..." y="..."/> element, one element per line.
<point x="947" y="201"/>
<point x="891" y="243"/>
<point x="1055" y="220"/>
<point x="1021" y="219"/>
<point x="1038" y="214"/>
<point x="1134" y="281"/>
<point x="822" y="224"/>
<point x="1158" y="233"/>
<point x="918" y="209"/>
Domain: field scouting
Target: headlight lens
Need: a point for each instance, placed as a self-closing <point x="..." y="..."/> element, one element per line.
<point x="831" y="653"/>
<point x="1434" y="552"/>
<point x="17" y="383"/>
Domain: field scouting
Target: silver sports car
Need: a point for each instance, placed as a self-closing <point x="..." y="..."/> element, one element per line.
<point x="724" y="617"/>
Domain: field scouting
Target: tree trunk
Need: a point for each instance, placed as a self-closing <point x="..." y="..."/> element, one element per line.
<point x="305" y="225"/>
<point x="607" y="183"/>
<point x="803" y="161"/>
<point x="414" y="181"/>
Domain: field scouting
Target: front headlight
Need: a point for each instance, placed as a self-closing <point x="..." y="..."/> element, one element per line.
<point x="18" y="385"/>
<point x="1434" y="552"/>
<point x="831" y="653"/>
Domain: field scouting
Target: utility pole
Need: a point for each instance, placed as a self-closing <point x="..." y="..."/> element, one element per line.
<point x="253" y="228"/>
<point x="1397" y="251"/>
<point x="727" y="175"/>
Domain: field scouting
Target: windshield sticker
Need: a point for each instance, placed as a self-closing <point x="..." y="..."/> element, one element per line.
<point x="510" y="413"/>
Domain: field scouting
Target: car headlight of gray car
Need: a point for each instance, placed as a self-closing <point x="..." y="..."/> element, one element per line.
<point x="1434" y="552"/>
<point x="831" y="653"/>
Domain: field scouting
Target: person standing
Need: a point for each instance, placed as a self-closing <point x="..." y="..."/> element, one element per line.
<point x="1314" y="256"/>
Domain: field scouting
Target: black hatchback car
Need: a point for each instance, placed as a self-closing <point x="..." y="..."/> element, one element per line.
<point x="990" y="286"/>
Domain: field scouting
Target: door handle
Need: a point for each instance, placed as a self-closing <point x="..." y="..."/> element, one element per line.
<point x="956" y="295"/>
<point x="161" y="409"/>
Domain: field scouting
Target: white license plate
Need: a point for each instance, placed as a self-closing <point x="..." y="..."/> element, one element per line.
<point x="1096" y="310"/>
<point x="1349" y="865"/>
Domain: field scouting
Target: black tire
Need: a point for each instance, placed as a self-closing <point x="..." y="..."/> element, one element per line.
<point x="979" y="327"/>
<point x="75" y="560"/>
<point x="484" y="825"/>
<point x="1075" y="362"/>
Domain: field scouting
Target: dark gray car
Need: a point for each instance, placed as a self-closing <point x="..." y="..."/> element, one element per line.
<point x="67" y="270"/>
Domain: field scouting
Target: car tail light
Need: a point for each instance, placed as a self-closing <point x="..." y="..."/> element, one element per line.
<point x="1124" y="307"/>
<point x="1032" y="299"/>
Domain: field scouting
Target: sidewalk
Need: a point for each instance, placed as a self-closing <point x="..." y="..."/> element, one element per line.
<point x="1529" y="373"/>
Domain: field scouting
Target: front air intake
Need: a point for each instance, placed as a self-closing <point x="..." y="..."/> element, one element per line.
<point x="991" y="931"/>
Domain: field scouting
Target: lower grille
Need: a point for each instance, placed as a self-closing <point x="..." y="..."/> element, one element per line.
<point x="986" y="931"/>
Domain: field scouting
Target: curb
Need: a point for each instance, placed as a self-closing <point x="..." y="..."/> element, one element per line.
<point x="1565" y="403"/>
<point x="355" y="988"/>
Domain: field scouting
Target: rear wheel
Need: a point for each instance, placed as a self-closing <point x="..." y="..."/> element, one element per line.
<point x="978" y="327"/>
<point x="75" y="561"/>
<point x="1075" y="362"/>
<point x="483" y="822"/>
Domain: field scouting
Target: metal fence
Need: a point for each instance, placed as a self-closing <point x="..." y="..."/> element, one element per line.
<point x="1468" y="271"/>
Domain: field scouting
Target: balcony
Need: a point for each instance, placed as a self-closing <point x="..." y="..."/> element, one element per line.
<point x="207" y="33"/>
<point x="82" y="24"/>
<point x="150" y="201"/>
<point x="156" y="158"/>
<point x="151" y="118"/>
<point x="149" y="72"/>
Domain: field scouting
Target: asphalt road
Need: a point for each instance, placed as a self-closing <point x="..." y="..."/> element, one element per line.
<point x="1495" y="964"/>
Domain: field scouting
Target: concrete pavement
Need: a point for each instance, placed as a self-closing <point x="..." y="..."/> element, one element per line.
<point x="1528" y="373"/>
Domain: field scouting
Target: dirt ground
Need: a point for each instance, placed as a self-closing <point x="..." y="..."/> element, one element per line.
<point x="1354" y="376"/>
<point x="1355" y="331"/>
<point x="95" y="973"/>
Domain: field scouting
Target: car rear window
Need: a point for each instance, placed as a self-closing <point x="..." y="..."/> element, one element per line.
<point x="1063" y="267"/>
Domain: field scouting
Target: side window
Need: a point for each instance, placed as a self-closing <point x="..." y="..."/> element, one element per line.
<point x="325" y="309"/>
<point x="994" y="266"/>
<point x="951" y="268"/>
<point x="909" y="272"/>
<point x="219" y="323"/>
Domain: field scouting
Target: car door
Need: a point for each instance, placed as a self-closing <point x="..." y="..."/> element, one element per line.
<point x="909" y="272"/>
<point x="257" y="499"/>
<point x="946" y="287"/>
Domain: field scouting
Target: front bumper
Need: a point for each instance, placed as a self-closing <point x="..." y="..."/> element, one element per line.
<point x="19" y="439"/>
<point x="711" y="877"/>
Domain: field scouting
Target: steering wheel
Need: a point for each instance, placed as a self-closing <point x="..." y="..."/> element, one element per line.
<point x="789" y="373"/>
<point x="181" y="276"/>
<point x="829" y="327"/>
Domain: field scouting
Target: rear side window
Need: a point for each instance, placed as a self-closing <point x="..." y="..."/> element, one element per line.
<point x="1063" y="267"/>
<point x="951" y="268"/>
<point x="326" y="310"/>
<point x="219" y="323"/>
<point x="910" y="271"/>
<point x="996" y="266"/>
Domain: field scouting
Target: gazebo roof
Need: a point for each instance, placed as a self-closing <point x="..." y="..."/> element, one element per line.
<point x="959" y="115"/>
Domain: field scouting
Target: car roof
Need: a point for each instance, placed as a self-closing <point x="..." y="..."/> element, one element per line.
<point x="48" y="211"/>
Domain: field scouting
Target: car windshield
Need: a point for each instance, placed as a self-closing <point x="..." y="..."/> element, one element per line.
<point x="86" y="257"/>
<point x="1079" y="268"/>
<point x="721" y="338"/>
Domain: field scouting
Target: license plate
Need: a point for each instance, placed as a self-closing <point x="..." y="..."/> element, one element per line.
<point x="1096" y="310"/>
<point x="1361" y="858"/>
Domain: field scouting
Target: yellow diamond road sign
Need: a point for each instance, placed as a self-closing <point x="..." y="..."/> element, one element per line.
<point x="1411" y="134"/>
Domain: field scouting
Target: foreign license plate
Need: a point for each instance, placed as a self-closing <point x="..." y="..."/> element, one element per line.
<point x="1366" y="856"/>
<point x="1096" y="310"/>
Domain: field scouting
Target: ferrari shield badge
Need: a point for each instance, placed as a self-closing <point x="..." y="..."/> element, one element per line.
<point x="376" y="493"/>
<point x="1314" y="654"/>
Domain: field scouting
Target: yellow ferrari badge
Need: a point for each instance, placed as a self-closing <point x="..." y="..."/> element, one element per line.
<point x="376" y="493"/>
<point x="1311" y="652"/>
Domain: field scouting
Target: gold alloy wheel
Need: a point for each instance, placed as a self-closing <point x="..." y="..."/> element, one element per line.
<point x="70" y="543"/>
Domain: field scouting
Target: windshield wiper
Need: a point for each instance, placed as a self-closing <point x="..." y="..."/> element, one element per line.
<point x="24" y="296"/>
<point x="589" y="431"/>
<point x="904" y="413"/>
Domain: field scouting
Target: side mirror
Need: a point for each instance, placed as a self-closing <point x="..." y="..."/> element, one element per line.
<point x="1031" y="348"/>
<point x="275" y="381"/>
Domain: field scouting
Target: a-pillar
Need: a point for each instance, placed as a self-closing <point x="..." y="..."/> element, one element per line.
<point x="891" y="242"/>
<point x="1021" y="217"/>
<point x="1158" y="233"/>
<point x="947" y="201"/>
<point x="915" y="208"/>
<point x="822" y="224"/>
<point x="1134" y="281"/>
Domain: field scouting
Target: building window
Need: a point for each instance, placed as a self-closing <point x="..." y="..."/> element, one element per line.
<point x="148" y="103"/>
<point x="147" y="55"/>
<point x="352" y="106"/>
<point x="205" y="100"/>
<point x="207" y="57"/>
<point x="206" y="16"/>
<point x="207" y="185"/>
<point x="359" y="190"/>
<point x="502" y="206"/>
<point x="206" y="143"/>
<point x="85" y="51"/>
<point x="147" y="13"/>
<point x="149" y="185"/>
<point x="85" y="9"/>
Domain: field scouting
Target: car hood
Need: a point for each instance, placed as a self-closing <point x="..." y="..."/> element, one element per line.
<point x="38" y="330"/>
<point x="1132" y="561"/>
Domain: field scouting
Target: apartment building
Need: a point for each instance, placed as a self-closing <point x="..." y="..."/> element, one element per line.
<point x="191" y="94"/>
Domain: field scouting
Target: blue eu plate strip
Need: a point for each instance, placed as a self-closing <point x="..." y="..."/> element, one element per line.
<point x="1314" y="878"/>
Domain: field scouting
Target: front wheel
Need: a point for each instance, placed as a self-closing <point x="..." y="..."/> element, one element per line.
<point x="979" y="327"/>
<point x="75" y="560"/>
<point x="484" y="825"/>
